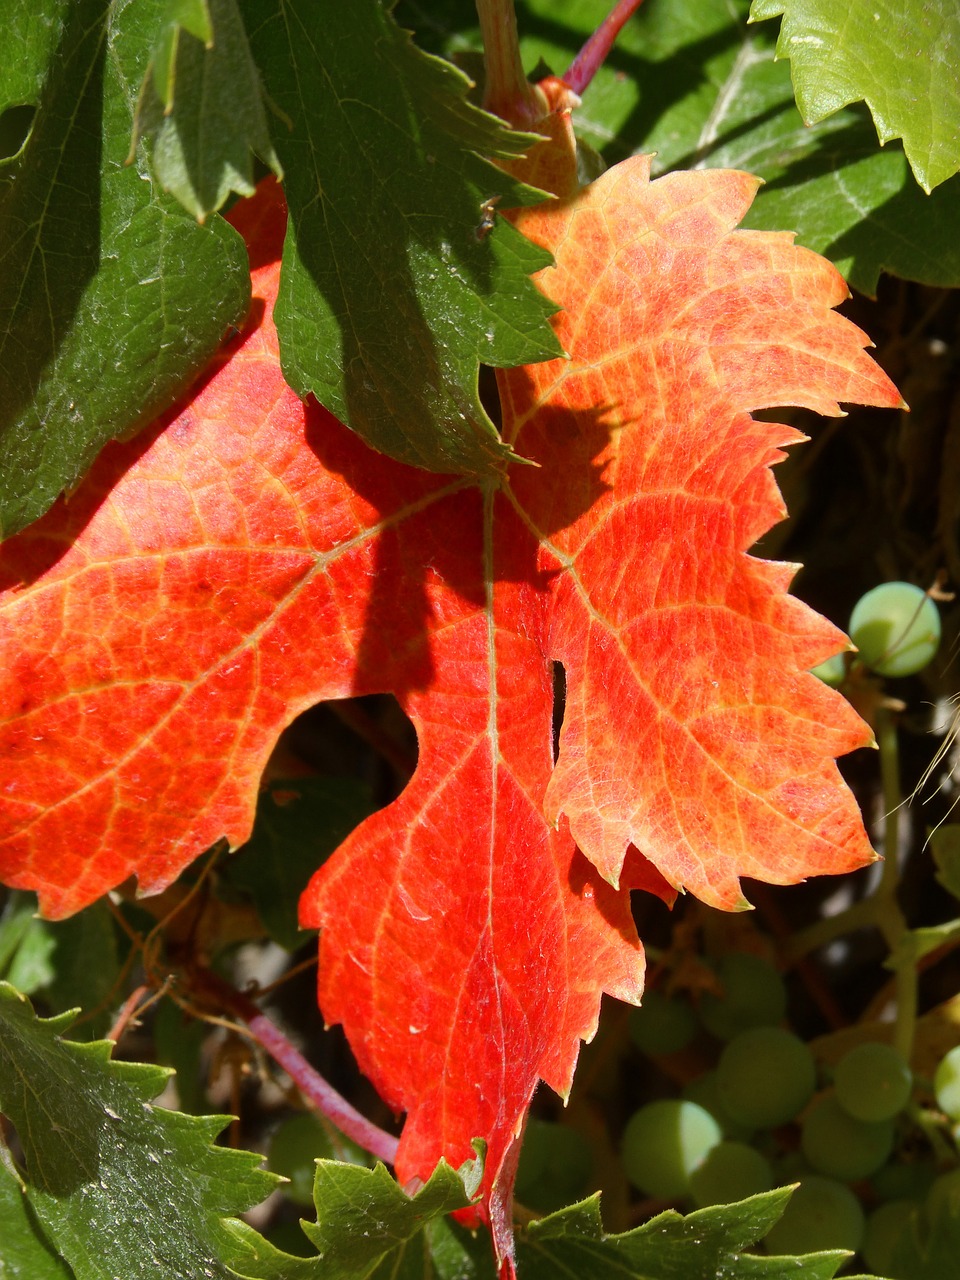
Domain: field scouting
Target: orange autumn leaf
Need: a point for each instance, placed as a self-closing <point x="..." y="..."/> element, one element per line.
<point x="249" y="557"/>
<point x="692" y="728"/>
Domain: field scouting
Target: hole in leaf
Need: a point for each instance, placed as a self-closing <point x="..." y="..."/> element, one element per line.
<point x="370" y="738"/>
<point x="559" y="705"/>
<point x="334" y="766"/>
<point x="490" y="395"/>
<point x="15" y="126"/>
<point x="10" y="1139"/>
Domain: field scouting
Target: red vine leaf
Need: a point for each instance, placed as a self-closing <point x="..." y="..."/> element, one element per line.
<point x="250" y="557"/>
<point x="692" y="728"/>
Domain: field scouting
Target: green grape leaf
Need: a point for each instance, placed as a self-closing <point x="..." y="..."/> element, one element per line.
<point x="31" y="966"/>
<point x="73" y="962"/>
<point x="202" y="106"/>
<point x="123" y="1189"/>
<point x="945" y="847"/>
<point x="693" y="82"/>
<point x="31" y="29"/>
<point x="699" y="1246"/>
<point x="25" y="1254"/>
<point x="112" y="298"/>
<point x="861" y="208"/>
<point x="393" y="291"/>
<point x="898" y="56"/>
<point x="846" y="198"/>
<point x="367" y="1228"/>
<point x="16" y="920"/>
<point x="190" y="16"/>
<point x="85" y="960"/>
<point x="299" y="823"/>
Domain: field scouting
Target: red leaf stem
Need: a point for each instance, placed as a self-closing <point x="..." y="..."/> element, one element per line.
<point x="594" y="52"/>
<point x="315" y="1089"/>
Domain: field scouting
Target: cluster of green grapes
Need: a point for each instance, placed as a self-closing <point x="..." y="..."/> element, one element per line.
<point x="764" y="1116"/>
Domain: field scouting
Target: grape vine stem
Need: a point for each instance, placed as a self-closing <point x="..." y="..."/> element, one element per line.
<point x="314" y="1088"/>
<point x="508" y="92"/>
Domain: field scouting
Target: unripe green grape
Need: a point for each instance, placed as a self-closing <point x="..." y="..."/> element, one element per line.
<point x="842" y="1147"/>
<point x="884" y="1228"/>
<point x="946" y="1084"/>
<point x="821" y="1214"/>
<point x="896" y="628"/>
<point x="765" y="1077"/>
<point x="754" y="995"/>
<point x="943" y="1196"/>
<point x="731" y="1171"/>
<point x="662" y="1024"/>
<point x="663" y="1143"/>
<point x="555" y="1166"/>
<point x="873" y="1081"/>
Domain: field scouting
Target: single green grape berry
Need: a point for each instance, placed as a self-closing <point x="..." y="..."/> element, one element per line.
<point x="896" y="628"/>
<point x="946" y="1083"/>
<point x="943" y="1196"/>
<point x="753" y="995"/>
<point x="821" y="1214"/>
<point x="663" y="1143"/>
<point x="885" y="1226"/>
<point x="841" y="1147"/>
<point x="873" y="1081"/>
<point x="766" y="1076"/>
<point x="662" y="1024"/>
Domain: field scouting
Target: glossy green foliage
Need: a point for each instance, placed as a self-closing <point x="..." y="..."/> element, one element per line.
<point x="899" y="56"/>
<point x="71" y="963"/>
<point x="112" y="297"/>
<point x="25" y="1251"/>
<point x="701" y="1246"/>
<point x="390" y="296"/>
<point x="117" y="1186"/>
<point x="367" y="1228"/>
<point x="202" y="105"/>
